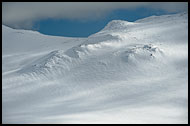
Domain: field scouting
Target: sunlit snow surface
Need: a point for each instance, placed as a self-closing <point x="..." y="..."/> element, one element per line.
<point x="129" y="72"/>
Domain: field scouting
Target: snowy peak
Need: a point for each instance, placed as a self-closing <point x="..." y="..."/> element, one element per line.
<point x="121" y="24"/>
<point x="108" y="32"/>
<point x="118" y="24"/>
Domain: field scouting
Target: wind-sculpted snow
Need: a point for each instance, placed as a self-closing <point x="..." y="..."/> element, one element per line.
<point x="59" y="62"/>
<point x="142" y="52"/>
<point x="129" y="72"/>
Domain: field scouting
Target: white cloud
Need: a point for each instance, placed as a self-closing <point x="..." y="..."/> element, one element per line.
<point x="23" y="14"/>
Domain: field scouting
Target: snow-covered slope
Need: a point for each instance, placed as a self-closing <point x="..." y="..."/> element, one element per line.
<point x="129" y="72"/>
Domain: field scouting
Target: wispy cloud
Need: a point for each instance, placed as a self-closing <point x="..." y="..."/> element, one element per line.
<point x="23" y="14"/>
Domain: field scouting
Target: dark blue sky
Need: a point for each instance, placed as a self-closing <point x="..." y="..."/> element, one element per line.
<point x="78" y="28"/>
